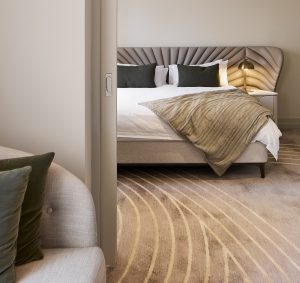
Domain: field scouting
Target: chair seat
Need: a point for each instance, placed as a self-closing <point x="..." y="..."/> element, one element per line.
<point x="80" y="265"/>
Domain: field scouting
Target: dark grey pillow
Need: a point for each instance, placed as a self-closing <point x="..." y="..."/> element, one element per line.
<point x="136" y="76"/>
<point x="13" y="185"/>
<point x="193" y="76"/>
<point x="28" y="242"/>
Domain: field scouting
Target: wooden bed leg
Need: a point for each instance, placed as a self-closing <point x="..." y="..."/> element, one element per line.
<point x="262" y="168"/>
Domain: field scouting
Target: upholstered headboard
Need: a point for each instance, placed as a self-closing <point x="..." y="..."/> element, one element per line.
<point x="268" y="61"/>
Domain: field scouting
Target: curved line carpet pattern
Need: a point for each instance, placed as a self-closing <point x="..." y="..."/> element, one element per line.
<point x="187" y="225"/>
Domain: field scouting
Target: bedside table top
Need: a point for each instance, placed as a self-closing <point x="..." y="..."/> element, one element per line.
<point x="262" y="93"/>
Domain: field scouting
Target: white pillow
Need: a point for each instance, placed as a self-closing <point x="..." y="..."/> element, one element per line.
<point x="208" y="64"/>
<point x="174" y="75"/>
<point x="120" y="64"/>
<point x="160" y="77"/>
<point x="223" y="73"/>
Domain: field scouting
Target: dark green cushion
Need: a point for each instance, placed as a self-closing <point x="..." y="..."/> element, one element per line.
<point x="136" y="76"/>
<point x="28" y="244"/>
<point x="13" y="185"/>
<point x="196" y="76"/>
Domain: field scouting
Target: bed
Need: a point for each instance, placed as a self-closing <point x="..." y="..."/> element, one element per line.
<point x="141" y="133"/>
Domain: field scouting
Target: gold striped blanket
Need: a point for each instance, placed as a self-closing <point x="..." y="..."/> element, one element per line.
<point x="220" y="123"/>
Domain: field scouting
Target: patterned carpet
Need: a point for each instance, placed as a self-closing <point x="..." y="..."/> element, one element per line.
<point x="187" y="225"/>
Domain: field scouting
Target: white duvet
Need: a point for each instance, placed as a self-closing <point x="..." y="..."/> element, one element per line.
<point x="136" y="122"/>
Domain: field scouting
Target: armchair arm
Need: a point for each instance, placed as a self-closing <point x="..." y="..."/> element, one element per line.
<point x="69" y="218"/>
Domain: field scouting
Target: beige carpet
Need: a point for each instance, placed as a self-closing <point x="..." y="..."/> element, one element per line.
<point x="187" y="225"/>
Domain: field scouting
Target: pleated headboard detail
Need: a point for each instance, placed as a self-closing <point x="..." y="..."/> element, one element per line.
<point x="267" y="61"/>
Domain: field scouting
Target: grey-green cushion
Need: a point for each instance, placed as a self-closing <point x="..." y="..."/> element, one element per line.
<point x="13" y="185"/>
<point x="29" y="243"/>
<point x="197" y="76"/>
<point x="136" y="76"/>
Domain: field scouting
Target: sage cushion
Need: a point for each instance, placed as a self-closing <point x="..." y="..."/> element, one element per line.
<point x="197" y="76"/>
<point x="13" y="185"/>
<point x="28" y="242"/>
<point x="136" y="76"/>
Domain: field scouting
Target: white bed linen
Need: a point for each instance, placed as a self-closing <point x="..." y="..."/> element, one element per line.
<point x="138" y="123"/>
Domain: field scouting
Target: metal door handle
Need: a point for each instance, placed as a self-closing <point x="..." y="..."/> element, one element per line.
<point x="108" y="84"/>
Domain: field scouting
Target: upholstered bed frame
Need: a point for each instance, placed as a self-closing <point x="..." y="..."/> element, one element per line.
<point x="268" y="62"/>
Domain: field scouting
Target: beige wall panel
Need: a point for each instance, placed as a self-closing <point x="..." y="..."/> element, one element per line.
<point x="42" y="79"/>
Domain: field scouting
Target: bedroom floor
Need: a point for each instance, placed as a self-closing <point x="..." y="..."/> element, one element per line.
<point x="184" y="224"/>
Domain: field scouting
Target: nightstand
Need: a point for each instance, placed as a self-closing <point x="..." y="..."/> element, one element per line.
<point x="267" y="99"/>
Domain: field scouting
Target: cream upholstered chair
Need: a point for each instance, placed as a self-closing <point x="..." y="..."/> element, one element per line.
<point x="69" y="234"/>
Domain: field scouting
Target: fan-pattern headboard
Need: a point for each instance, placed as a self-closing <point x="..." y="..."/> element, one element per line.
<point x="268" y="61"/>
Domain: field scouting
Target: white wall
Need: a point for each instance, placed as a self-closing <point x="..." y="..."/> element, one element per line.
<point x="221" y="23"/>
<point x="42" y="78"/>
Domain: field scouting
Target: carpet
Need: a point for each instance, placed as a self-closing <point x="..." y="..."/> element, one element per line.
<point x="185" y="224"/>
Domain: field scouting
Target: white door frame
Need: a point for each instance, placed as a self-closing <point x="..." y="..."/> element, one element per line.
<point x="101" y="32"/>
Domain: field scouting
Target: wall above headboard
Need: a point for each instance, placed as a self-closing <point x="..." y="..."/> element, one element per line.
<point x="267" y="61"/>
<point x="221" y="23"/>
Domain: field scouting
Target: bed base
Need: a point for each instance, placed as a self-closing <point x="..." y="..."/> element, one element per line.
<point x="181" y="153"/>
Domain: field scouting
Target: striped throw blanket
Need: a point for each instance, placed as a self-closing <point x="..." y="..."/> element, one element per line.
<point x="220" y="123"/>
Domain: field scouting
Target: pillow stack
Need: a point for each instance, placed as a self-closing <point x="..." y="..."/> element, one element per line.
<point x="211" y="74"/>
<point x="143" y="76"/>
<point x="22" y="185"/>
<point x="174" y="74"/>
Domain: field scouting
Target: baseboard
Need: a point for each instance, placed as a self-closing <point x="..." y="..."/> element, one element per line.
<point x="289" y="123"/>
